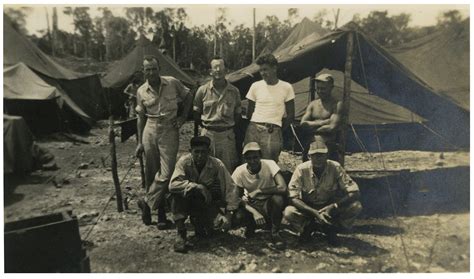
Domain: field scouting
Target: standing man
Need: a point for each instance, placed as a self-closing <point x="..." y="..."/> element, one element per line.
<point x="269" y="99"/>
<point x="217" y="109"/>
<point x="200" y="186"/>
<point x="158" y="126"/>
<point x="322" y="196"/>
<point x="264" y="191"/>
<point x="323" y="116"/>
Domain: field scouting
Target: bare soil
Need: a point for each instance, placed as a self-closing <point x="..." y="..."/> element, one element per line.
<point x="119" y="242"/>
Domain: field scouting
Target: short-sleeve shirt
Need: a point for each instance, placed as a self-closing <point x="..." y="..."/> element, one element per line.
<point x="217" y="109"/>
<point x="164" y="103"/>
<point x="333" y="184"/>
<point x="264" y="179"/>
<point x="270" y="101"/>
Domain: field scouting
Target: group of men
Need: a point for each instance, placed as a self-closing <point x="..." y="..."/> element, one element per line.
<point x="209" y="186"/>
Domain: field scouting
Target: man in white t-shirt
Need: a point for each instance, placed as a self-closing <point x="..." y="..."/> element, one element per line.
<point x="269" y="100"/>
<point x="264" y="191"/>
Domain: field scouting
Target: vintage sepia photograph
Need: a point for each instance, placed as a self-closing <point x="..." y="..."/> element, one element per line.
<point x="236" y="138"/>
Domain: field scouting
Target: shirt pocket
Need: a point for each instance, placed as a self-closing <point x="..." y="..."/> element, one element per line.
<point x="227" y="109"/>
<point x="207" y="107"/>
<point x="169" y="103"/>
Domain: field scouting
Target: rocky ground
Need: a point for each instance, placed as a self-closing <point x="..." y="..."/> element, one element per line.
<point x="119" y="242"/>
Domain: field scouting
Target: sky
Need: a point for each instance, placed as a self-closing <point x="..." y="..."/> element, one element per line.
<point x="422" y="15"/>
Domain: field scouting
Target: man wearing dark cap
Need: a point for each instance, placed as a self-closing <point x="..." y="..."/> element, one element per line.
<point x="269" y="100"/>
<point x="264" y="190"/>
<point x="323" y="116"/>
<point x="322" y="196"/>
<point x="200" y="186"/>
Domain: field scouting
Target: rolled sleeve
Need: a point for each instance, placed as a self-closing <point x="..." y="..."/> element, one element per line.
<point x="179" y="181"/>
<point x="198" y="99"/>
<point x="181" y="90"/>
<point x="296" y="184"/>
<point x="346" y="183"/>
<point x="238" y="105"/>
<point x="140" y="108"/>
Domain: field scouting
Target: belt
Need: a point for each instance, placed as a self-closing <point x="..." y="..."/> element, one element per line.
<point x="269" y="126"/>
<point x="218" y="129"/>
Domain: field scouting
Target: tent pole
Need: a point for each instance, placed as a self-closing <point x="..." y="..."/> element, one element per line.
<point x="312" y="88"/>
<point x="346" y="96"/>
<point x="113" y="156"/>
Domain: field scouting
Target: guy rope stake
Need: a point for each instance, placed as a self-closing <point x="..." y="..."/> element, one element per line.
<point x="113" y="156"/>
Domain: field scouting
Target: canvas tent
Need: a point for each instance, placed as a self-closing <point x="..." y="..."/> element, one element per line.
<point x="120" y="72"/>
<point x="441" y="59"/>
<point x="45" y="107"/>
<point x="20" y="153"/>
<point x="84" y="90"/>
<point x="381" y="74"/>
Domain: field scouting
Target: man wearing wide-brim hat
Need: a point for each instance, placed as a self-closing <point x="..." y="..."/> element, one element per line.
<point x="322" y="196"/>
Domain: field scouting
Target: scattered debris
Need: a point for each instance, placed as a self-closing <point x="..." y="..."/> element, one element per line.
<point x="276" y="270"/>
<point x="83" y="166"/>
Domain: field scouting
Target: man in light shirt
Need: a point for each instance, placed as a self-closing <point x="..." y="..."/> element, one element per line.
<point x="269" y="100"/>
<point x="264" y="191"/>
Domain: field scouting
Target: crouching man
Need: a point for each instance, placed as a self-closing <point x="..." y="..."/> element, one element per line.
<point x="322" y="196"/>
<point x="200" y="186"/>
<point x="264" y="191"/>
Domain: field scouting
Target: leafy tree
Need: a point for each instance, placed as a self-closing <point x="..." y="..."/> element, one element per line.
<point x="449" y="18"/>
<point x="387" y="31"/>
<point x="140" y="18"/>
<point x="82" y="25"/>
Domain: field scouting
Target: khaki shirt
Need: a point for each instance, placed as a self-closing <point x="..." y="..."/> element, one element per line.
<point x="333" y="183"/>
<point x="217" y="109"/>
<point x="164" y="103"/>
<point x="214" y="174"/>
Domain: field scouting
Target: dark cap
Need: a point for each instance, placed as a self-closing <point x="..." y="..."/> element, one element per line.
<point x="318" y="146"/>
<point x="200" y="141"/>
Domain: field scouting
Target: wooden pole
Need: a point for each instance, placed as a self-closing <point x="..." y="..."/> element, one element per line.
<point x="312" y="88"/>
<point x="346" y="96"/>
<point x="113" y="156"/>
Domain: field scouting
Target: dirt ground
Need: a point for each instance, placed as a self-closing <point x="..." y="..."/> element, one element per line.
<point x="119" y="242"/>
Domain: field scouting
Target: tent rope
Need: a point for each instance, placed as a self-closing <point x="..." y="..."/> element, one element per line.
<point x="359" y="141"/>
<point x="296" y="136"/>
<point x="387" y="182"/>
<point x="392" y="202"/>
<point x="366" y="81"/>
<point x="440" y="136"/>
<point x="110" y="199"/>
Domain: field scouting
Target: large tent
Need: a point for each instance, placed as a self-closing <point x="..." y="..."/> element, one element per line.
<point x="44" y="106"/>
<point x="120" y="72"/>
<point x="382" y="75"/>
<point x="441" y="59"/>
<point x="20" y="153"/>
<point x="84" y="90"/>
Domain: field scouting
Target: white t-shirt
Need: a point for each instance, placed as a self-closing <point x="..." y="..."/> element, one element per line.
<point x="270" y="101"/>
<point x="264" y="179"/>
